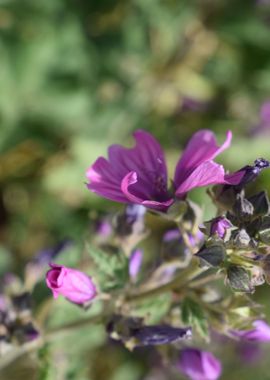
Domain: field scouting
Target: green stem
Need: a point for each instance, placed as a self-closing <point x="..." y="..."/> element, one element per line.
<point x="50" y="336"/>
<point x="182" y="279"/>
<point x="206" y="280"/>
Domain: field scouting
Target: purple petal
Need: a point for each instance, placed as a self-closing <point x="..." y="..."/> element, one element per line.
<point x="131" y="179"/>
<point x="234" y="178"/>
<point x="104" y="181"/>
<point x="201" y="147"/>
<point x="208" y="173"/>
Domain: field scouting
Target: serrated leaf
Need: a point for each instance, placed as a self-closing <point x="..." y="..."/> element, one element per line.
<point x="193" y="314"/>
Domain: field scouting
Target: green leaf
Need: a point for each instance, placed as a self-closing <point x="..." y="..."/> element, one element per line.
<point x="154" y="308"/>
<point x="213" y="255"/>
<point x="193" y="314"/>
<point x="239" y="279"/>
<point x="112" y="267"/>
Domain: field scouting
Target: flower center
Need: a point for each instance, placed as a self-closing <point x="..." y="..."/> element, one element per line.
<point x="160" y="184"/>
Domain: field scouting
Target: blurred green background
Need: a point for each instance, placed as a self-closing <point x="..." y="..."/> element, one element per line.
<point x="78" y="75"/>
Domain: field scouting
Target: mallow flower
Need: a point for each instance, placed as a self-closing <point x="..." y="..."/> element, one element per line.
<point x="199" y="365"/>
<point x="139" y="175"/>
<point x="73" y="284"/>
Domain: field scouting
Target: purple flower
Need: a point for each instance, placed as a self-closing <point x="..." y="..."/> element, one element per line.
<point x="139" y="175"/>
<point x="76" y="286"/>
<point x="219" y="226"/>
<point x="259" y="333"/>
<point x="135" y="263"/>
<point x="199" y="365"/>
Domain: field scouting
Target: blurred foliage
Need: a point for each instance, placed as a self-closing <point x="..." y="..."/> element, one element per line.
<point x="79" y="75"/>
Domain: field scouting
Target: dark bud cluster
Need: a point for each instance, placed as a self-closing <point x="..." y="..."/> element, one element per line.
<point x="16" y="323"/>
<point x="242" y="233"/>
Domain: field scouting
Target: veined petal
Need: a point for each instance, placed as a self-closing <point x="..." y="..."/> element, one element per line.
<point x="131" y="179"/>
<point x="208" y="173"/>
<point x="145" y="157"/>
<point x="234" y="178"/>
<point x="202" y="147"/>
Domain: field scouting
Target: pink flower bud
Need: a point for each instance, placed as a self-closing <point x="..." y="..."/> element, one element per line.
<point x="76" y="286"/>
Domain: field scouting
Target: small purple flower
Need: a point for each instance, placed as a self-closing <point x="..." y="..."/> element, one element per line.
<point x="259" y="333"/>
<point x="199" y="365"/>
<point x="76" y="286"/>
<point x="135" y="263"/>
<point x="139" y="175"/>
<point x="219" y="226"/>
